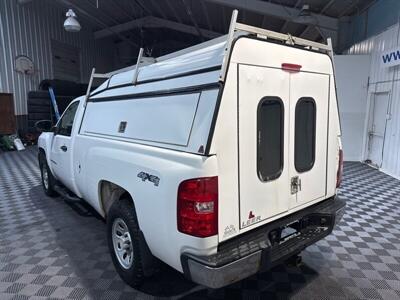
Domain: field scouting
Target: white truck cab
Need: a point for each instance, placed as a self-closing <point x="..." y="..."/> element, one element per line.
<point x="220" y="160"/>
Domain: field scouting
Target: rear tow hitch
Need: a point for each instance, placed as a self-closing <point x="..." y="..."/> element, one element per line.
<point x="294" y="261"/>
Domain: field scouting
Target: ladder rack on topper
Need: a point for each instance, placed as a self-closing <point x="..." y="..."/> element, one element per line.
<point x="234" y="27"/>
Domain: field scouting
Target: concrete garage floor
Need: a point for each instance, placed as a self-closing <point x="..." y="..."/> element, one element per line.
<point x="51" y="249"/>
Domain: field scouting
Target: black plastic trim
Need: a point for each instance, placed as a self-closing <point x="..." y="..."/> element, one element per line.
<point x="177" y="91"/>
<point x="319" y="207"/>
<point x="190" y="73"/>
<point x="221" y="87"/>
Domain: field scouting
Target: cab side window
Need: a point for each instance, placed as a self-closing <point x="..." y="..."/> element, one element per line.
<point x="67" y="120"/>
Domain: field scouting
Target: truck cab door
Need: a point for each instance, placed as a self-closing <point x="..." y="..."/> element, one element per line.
<point x="61" y="152"/>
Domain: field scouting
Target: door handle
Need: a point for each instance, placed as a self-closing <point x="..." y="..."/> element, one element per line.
<point x="294" y="185"/>
<point x="64" y="148"/>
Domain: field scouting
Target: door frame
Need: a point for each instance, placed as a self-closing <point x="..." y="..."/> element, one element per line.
<point x="369" y="117"/>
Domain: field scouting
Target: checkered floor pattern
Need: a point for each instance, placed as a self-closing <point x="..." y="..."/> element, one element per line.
<point x="50" y="249"/>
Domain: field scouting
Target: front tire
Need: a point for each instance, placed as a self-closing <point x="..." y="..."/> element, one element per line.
<point x="123" y="235"/>
<point x="48" y="180"/>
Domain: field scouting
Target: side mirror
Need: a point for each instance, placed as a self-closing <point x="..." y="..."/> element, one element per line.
<point x="44" y="126"/>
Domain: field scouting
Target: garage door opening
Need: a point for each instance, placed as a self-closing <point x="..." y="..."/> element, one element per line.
<point x="66" y="61"/>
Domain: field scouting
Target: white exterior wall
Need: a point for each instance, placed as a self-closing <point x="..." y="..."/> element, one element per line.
<point x="352" y="72"/>
<point x="382" y="80"/>
<point x="28" y="30"/>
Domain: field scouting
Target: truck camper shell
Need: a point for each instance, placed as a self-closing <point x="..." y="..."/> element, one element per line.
<point x="194" y="77"/>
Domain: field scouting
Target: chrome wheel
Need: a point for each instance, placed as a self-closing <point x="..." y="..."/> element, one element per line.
<point x="122" y="243"/>
<point x="45" y="177"/>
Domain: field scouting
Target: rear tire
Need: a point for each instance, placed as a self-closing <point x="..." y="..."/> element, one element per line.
<point x="48" y="180"/>
<point x="123" y="235"/>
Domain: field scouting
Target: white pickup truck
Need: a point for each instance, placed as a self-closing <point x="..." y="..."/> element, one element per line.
<point x="220" y="160"/>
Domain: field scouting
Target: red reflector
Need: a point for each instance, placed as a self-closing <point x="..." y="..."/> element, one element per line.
<point x="197" y="213"/>
<point x="340" y="169"/>
<point x="291" y="67"/>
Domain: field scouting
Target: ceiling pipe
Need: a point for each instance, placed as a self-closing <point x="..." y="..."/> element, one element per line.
<point x="22" y="2"/>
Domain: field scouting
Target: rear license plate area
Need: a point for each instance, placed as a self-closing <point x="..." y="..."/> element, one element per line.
<point x="306" y="226"/>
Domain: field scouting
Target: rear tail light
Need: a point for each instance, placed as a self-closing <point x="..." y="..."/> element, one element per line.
<point x="340" y="169"/>
<point x="198" y="207"/>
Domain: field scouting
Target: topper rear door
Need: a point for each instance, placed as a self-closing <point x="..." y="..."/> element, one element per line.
<point x="263" y="133"/>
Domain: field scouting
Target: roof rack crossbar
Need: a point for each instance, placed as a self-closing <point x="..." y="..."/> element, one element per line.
<point x="228" y="44"/>
<point x="281" y="36"/>
<point x="136" y="73"/>
<point x="287" y="38"/>
<point x="92" y="76"/>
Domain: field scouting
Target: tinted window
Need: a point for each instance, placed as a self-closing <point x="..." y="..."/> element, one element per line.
<point x="270" y="138"/>
<point x="67" y="120"/>
<point x="305" y="134"/>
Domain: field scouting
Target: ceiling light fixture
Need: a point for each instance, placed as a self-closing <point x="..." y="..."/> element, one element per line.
<point x="71" y="24"/>
<point x="305" y="16"/>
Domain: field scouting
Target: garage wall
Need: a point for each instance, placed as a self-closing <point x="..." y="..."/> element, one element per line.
<point x="385" y="80"/>
<point x="27" y="30"/>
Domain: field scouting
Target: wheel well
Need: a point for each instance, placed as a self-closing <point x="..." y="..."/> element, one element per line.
<point x="110" y="192"/>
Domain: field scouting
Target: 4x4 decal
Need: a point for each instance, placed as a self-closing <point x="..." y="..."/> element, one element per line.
<point x="152" y="178"/>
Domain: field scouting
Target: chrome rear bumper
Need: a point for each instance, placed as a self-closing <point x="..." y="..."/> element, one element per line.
<point x="226" y="274"/>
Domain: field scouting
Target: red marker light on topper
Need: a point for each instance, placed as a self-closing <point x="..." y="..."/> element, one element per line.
<point x="291" y="67"/>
